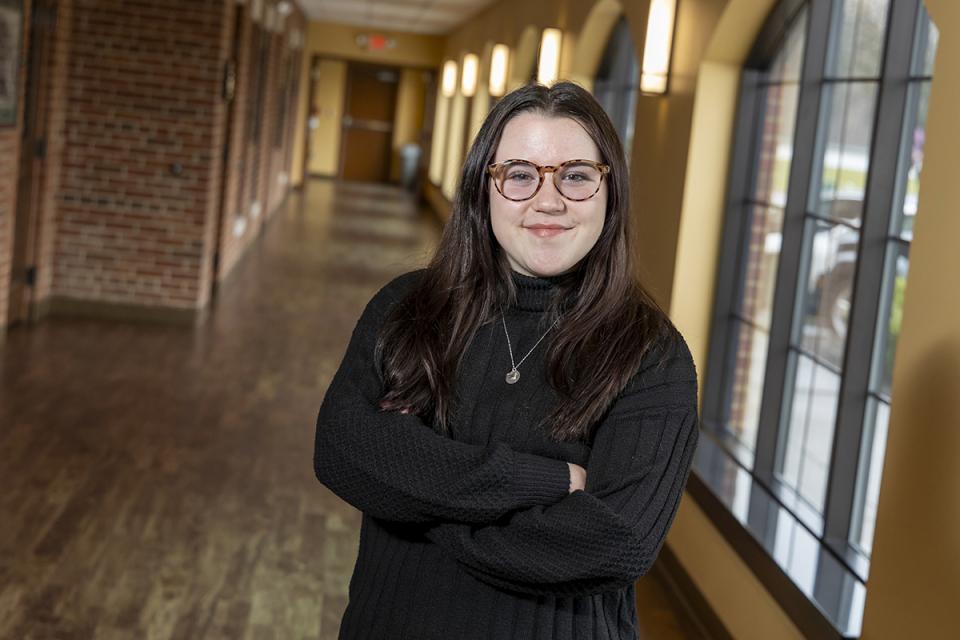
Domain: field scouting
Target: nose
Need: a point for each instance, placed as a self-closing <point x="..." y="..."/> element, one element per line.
<point x="548" y="199"/>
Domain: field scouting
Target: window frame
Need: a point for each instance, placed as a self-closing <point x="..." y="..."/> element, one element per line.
<point x="833" y="528"/>
<point x="622" y="90"/>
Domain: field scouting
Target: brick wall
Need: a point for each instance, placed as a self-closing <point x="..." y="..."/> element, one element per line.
<point x="143" y="92"/>
<point x="129" y="214"/>
<point x="9" y="160"/>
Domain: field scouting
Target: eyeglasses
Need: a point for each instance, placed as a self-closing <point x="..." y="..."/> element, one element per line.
<point x="520" y="180"/>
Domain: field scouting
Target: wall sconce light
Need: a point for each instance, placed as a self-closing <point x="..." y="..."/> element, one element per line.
<point x="499" y="60"/>
<point x="548" y="68"/>
<point x="448" y="85"/>
<point x="468" y="79"/>
<point x="656" y="51"/>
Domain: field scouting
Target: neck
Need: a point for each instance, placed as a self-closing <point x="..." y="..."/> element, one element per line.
<point x="536" y="293"/>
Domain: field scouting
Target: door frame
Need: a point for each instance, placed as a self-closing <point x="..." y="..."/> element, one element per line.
<point x="23" y="306"/>
<point x="309" y="97"/>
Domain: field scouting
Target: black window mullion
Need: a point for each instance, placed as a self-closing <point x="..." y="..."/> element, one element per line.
<point x="777" y="393"/>
<point x="732" y="263"/>
<point x="868" y="277"/>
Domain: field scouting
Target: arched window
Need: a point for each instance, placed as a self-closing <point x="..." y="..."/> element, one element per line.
<point x="823" y="191"/>
<point x="617" y="82"/>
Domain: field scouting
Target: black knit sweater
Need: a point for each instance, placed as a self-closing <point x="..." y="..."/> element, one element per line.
<point x="475" y="535"/>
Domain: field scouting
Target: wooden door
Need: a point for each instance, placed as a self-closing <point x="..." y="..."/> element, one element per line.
<point x="367" y="129"/>
<point x="33" y="150"/>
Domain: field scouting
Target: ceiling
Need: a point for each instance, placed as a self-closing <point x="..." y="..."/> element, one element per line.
<point x="414" y="16"/>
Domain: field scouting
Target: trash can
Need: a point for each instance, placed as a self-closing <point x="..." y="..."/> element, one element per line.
<point x="409" y="166"/>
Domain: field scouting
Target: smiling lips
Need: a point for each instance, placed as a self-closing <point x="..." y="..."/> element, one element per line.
<point x="546" y="230"/>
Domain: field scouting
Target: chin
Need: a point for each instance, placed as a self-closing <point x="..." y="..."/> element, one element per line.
<point x="547" y="271"/>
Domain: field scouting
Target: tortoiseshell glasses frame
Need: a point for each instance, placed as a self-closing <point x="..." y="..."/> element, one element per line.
<point x="496" y="172"/>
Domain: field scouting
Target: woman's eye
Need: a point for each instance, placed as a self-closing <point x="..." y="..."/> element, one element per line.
<point x="575" y="177"/>
<point x="519" y="176"/>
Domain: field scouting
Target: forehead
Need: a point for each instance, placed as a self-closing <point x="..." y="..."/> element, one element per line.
<point x="547" y="140"/>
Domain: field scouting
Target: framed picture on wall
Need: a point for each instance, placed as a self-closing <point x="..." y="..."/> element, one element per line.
<point x="11" y="25"/>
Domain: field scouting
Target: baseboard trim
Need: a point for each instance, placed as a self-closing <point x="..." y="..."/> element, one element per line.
<point x="60" y="306"/>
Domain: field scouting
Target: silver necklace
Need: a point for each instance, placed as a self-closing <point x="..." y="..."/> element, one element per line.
<point x="513" y="375"/>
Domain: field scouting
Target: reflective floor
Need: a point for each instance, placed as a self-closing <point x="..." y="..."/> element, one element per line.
<point x="157" y="480"/>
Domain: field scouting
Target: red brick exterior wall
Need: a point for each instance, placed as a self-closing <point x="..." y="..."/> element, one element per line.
<point x="9" y="169"/>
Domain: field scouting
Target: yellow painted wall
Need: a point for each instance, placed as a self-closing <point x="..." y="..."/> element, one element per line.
<point x="335" y="41"/>
<point x="586" y="50"/>
<point x="480" y="102"/>
<point x="453" y="156"/>
<point x="914" y="584"/>
<point x="326" y="113"/>
<point x="408" y="120"/>
<point x="440" y="122"/>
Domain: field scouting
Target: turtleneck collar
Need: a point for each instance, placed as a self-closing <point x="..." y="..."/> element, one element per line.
<point x="535" y="293"/>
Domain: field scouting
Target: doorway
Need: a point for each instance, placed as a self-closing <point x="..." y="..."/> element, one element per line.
<point x="367" y="127"/>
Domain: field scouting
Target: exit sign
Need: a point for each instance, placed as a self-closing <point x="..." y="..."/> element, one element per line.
<point x="375" y="41"/>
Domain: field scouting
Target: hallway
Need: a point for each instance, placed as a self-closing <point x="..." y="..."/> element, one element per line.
<point x="158" y="479"/>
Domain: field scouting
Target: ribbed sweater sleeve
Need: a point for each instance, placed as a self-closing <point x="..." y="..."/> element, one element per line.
<point x="392" y="466"/>
<point x="607" y="536"/>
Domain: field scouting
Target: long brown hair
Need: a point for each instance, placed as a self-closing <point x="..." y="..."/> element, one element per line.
<point x="608" y="321"/>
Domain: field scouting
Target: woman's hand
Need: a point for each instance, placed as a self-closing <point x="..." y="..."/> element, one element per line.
<point x="578" y="477"/>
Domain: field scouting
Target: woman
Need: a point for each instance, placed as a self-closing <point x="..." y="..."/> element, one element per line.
<point x="517" y="420"/>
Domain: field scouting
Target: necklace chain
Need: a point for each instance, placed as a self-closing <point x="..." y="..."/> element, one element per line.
<point x="514" y="375"/>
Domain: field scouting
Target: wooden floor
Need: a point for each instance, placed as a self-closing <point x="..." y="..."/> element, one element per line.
<point x="157" y="480"/>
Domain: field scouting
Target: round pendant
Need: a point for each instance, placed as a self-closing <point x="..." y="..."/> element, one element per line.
<point x="513" y="376"/>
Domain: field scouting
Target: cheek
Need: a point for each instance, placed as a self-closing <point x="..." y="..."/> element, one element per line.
<point x="596" y="218"/>
<point x="502" y="216"/>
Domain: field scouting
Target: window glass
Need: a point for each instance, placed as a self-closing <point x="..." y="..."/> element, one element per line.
<point x="831" y="244"/>
<point x="747" y="387"/>
<point x="850" y="216"/>
<point x="859" y="27"/>
<point x="829" y="288"/>
<point x="805" y="454"/>
<point x="778" y="93"/>
<point x="776" y="146"/>
<point x="846" y="127"/>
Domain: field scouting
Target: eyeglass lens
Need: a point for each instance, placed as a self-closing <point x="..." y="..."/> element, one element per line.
<point x="577" y="181"/>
